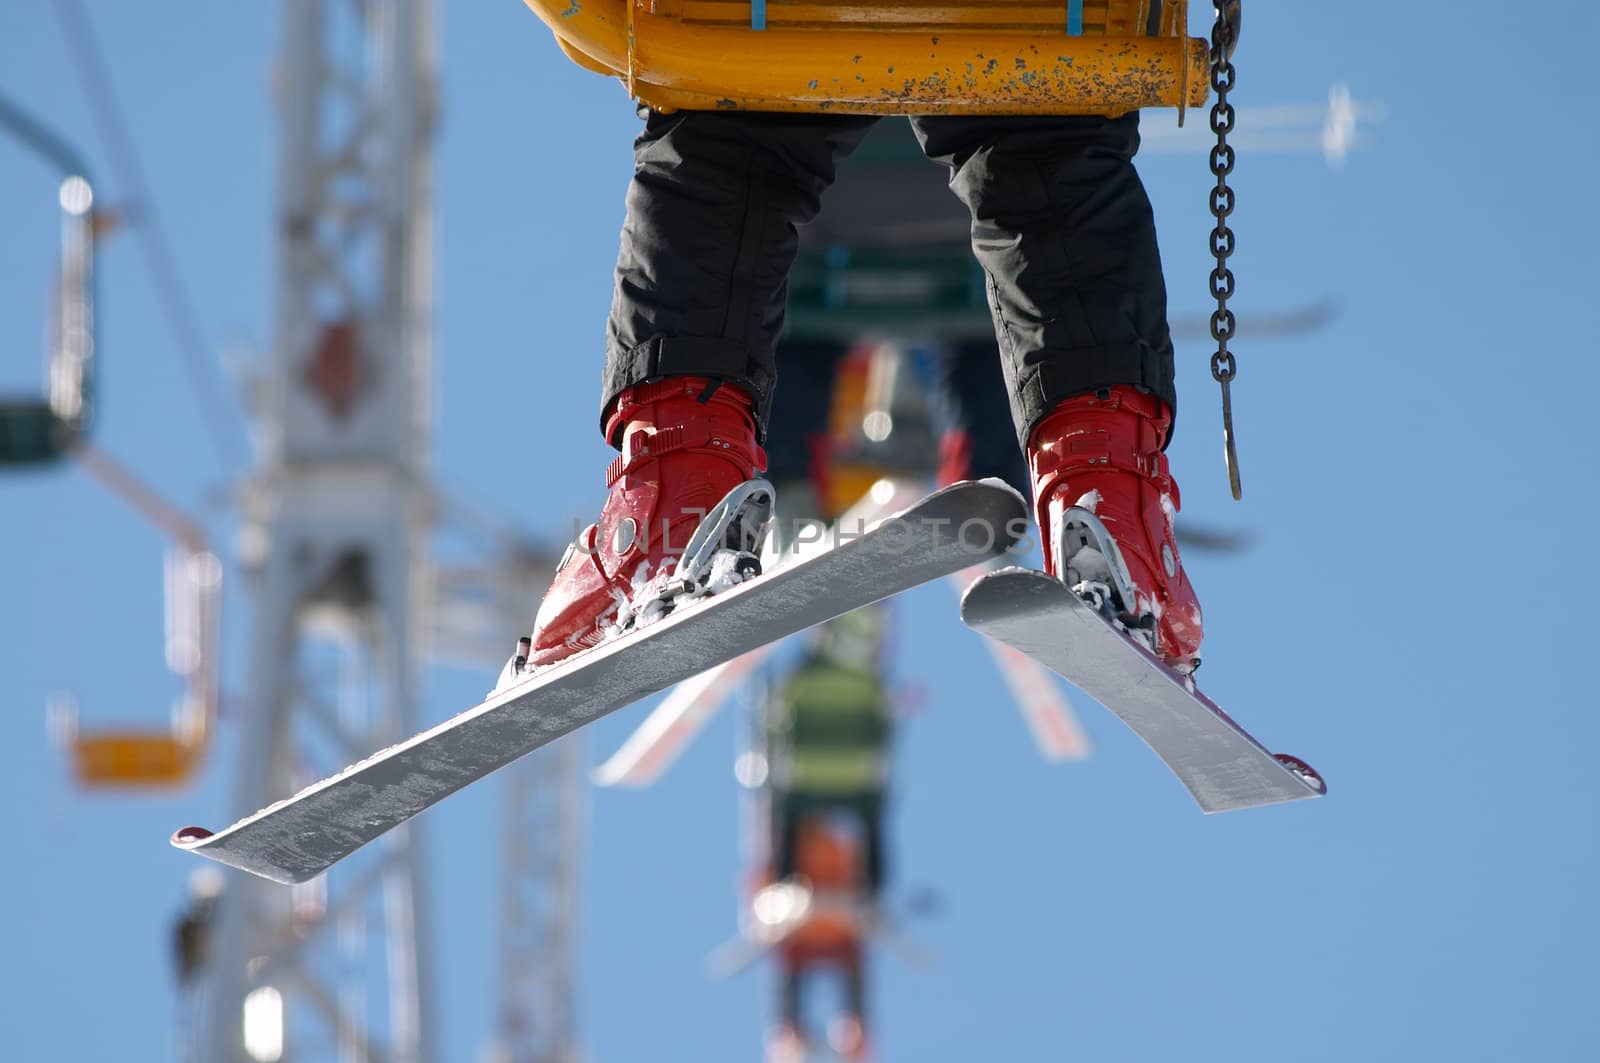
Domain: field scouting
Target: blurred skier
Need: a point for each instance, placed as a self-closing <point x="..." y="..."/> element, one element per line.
<point x="828" y="732"/>
<point x="191" y="931"/>
<point x="829" y="936"/>
<point x="1064" y="231"/>
<point x="828" y="728"/>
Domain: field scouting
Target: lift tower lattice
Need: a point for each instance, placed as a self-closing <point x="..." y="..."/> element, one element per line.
<point x="335" y="541"/>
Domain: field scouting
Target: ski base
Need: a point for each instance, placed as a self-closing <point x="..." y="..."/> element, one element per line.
<point x="1221" y="765"/>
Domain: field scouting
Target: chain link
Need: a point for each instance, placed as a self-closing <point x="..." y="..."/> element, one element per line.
<point x="1224" y="37"/>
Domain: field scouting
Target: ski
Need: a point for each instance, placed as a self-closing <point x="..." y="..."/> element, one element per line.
<point x="1216" y="759"/>
<point x="1056" y="732"/>
<point x="299" y="838"/>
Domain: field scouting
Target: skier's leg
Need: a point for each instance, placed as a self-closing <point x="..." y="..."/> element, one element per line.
<point x="789" y="996"/>
<point x="971" y="394"/>
<point x="785" y="833"/>
<point x="856" y="986"/>
<point x="785" y="1044"/>
<point x="848" y="1037"/>
<point x="871" y="811"/>
<point x="1064" y="230"/>
<point x="707" y="243"/>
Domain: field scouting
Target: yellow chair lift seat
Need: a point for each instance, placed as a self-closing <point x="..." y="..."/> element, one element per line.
<point x="136" y="758"/>
<point x="889" y="56"/>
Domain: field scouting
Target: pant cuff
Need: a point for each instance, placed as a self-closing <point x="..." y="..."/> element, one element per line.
<point x="719" y="359"/>
<point x="1067" y="374"/>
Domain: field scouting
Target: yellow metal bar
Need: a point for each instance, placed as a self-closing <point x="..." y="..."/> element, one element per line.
<point x="135" y="759"/>
<point x="856" y="66"/>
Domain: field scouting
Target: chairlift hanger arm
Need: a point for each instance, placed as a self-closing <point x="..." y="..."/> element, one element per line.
<point x="36" y="136"/>
<point x="131" y="757"/>
<point x="42" y="428"/>
<point x="140" y="497"/>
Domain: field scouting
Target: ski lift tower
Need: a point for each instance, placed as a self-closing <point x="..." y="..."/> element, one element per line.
<point x="543" y="821"/>
<point x="334" y="541"/>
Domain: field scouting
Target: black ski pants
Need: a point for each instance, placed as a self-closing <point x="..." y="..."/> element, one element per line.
<point x="1060" y="224"/>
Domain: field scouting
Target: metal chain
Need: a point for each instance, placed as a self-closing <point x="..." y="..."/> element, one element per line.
<point x="1224" y="37"/>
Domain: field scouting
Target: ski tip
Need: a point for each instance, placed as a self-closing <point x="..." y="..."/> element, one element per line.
<point x="989" y="485"/>
<point x="995" y="481"/>
<point x="189" y="837"/>
<point x="1003" y="587"/>
<point x="606" y="776"/>
<point x="1014" y="503"/>
<point x="1304" y="772"/>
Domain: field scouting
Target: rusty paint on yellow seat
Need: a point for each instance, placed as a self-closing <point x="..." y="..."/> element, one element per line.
<point x="885" y="57"/>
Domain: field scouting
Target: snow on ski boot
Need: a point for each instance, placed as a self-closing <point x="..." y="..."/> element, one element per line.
<point x="684" y="518"/>
<point x="1105" y="503"/>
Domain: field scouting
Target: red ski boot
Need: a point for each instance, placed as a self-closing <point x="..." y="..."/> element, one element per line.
<point x="685" y="515"/>
<point x="1105" y="503"/>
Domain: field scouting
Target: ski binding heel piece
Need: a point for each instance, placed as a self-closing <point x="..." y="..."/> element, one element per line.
<point x="1089" y="561"/>
<point x="723" y="552"/>
<point x="738" y="524"/>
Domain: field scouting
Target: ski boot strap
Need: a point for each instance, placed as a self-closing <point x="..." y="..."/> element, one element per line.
<point x="723" y="423"/>
<point x="1095" y="450"/>
<point x="1119" y="428"/>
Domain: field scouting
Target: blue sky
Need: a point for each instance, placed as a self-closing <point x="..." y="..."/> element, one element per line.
<point x="1419" y="479"/>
